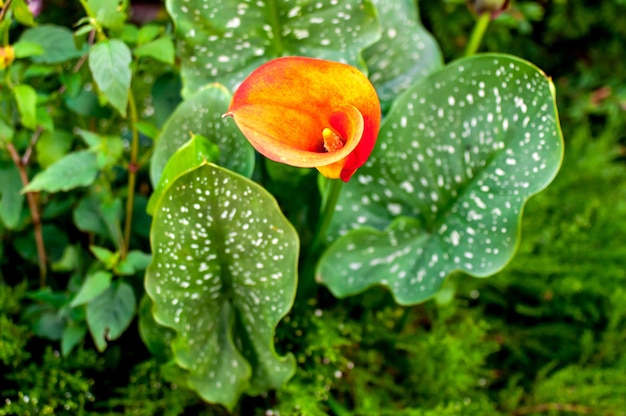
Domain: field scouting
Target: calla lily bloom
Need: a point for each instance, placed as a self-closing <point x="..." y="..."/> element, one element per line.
<point x="309" y="113"/>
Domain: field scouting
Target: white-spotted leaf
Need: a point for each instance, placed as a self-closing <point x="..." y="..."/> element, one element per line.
<point x="201" y="114"/>
<point x="192" y="154"/>
<point x="457" y="158"/>
<point x="223" y="41"/>
<point x="223" y="274"/>
<point x="405" y="53"/>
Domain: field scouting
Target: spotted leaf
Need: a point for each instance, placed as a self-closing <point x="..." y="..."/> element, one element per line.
<point x="224" y="41"/>
<point x="457" y="158"/>
<point x="405" y="53"/>
<point x="201" y="114"/>
<point x="222" y="276"/>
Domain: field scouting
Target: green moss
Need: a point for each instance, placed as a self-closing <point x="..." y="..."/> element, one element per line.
<point x="54" y="386"/>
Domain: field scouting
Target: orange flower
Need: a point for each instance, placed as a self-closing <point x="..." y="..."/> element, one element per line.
<point x="308" y="113"/>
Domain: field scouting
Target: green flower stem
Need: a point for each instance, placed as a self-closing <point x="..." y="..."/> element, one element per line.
<point x="332" y="196"/>
<point x="478" y="33"/>
<point x="307" y="284"/>
<point x="132" y="173"/>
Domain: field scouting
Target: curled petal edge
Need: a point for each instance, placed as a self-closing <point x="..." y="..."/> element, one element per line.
<point x="347" y="122"/>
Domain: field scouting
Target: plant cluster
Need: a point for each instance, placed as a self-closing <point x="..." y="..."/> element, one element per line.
<point x="154" y="260"/>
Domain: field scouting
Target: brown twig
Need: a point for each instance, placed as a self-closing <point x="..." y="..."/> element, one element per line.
<point x="3" y="11"/>
<point x="33" y="204"/>
<point x="31" y="146"/>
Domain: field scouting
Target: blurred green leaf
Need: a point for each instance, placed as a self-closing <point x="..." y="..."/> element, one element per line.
<point x="110" y="13"/>
<point x="22" y="13"/>
<point x="109" y="314"/>
<point x="11" y="199"/>
<point x="44" y="119"/>
<point x="93" y="286"/>
<point x="26" y="99"/>
<point x="138" y="259"/>
<point x="72" y="335"/>
<point x="71" y="171"/>
<point x="109" y="62"/>
<point x="56" y="42"/>
<point x="148" y="33"/>
<point x="110" y="151"/>
<point x="69" y="261"/>
<point x="86" y="103"/>
<point x="52" y="146"/>
<point x="24" y="49"/>
<point x="88" y="217"/>
<point x="107" y="257"/>
<point x="161" y="49"/>
<point x="147" y="129"/>
<point x="6" y="131"/>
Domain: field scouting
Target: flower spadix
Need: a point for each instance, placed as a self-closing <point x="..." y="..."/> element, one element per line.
<point x="309" y="113"/>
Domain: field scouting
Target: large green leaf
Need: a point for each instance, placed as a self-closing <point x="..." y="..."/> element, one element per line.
<point x="405" y="53"/>
<point x="109" y="62"/>
<point x="457" y="158"/>
<point x="201" y="114"/>
<point x="71" y="171"/>
<point x="222" y="276"/>
<point x="225" y="42"/>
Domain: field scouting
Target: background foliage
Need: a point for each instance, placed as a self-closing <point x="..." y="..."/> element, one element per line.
<point x="544" y="336"/>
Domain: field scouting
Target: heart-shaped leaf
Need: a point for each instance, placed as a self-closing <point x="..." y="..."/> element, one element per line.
<point x="201" y="114"/>
<point x="225" y="42"/>
<point x="223" y="274"/>
<point x="457" y="158"/>
<point x="405" y="53"/>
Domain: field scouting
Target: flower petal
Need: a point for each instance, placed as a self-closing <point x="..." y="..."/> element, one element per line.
<point x="309" y="112"/>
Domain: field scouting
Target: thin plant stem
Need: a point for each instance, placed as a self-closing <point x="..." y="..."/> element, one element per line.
<point x="478" y="33"/>
<point x="306" y="287"/>
<point x="4" y="9"/>
<point x="33" y="205"/>
<point x="132" y="173"/>
<point x="328" y="211"/>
